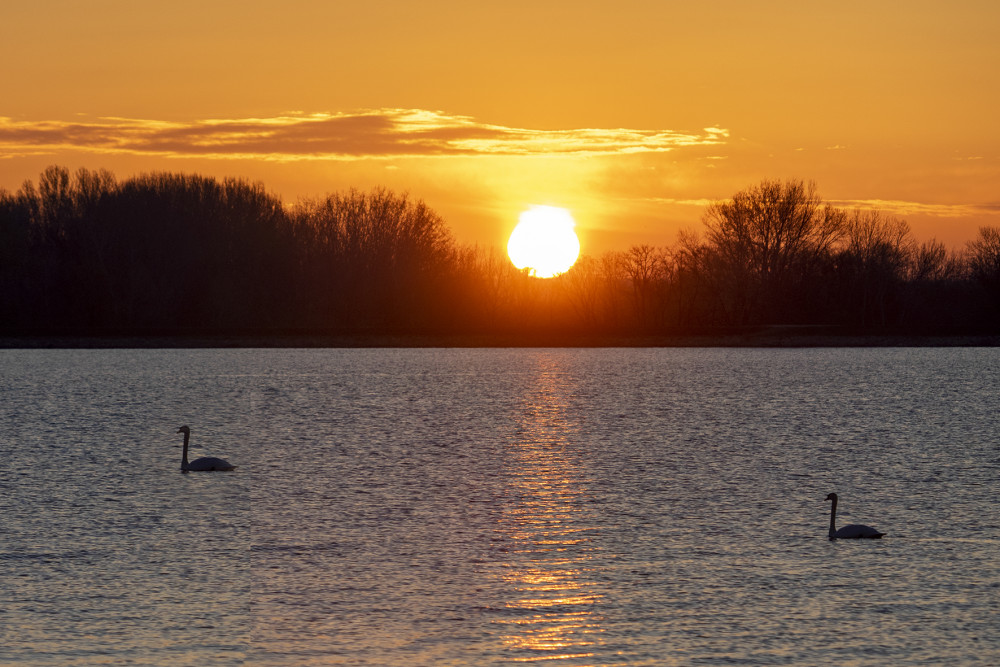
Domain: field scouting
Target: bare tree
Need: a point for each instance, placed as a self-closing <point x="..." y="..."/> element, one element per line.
<point x="764" y="241"/>
<point x="584" y="288"/>
<point x="181" y="254"/>
<point x="380" y="254"/>
<point x="983" y="254"/>
<point x="647" y="269"/>
<point x="873" y="263"/>
<point x="931" y="261"/>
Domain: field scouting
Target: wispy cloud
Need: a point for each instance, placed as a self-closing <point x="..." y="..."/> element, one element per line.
<point x="382" y="133"/>
<point x="701" y="203"/>
<point x="904" y="208"/>
<point x="894" y="207"/>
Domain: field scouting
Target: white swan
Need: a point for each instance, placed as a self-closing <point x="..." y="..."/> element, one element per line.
<point x="205" y="463"/>
<point x="855" y="530"/>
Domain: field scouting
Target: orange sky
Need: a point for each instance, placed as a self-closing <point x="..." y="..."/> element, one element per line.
<point x="632" y="114"/>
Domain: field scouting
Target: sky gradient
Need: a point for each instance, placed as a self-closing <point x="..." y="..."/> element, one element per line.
<point x="633" y="115"/>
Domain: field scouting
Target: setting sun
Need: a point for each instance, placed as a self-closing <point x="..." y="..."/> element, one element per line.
<point x="544" y="241"/>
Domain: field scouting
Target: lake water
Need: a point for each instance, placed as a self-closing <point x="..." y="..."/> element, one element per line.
<point x="495" y="507"/>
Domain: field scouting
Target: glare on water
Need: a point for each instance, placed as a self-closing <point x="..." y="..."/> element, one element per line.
<point x="550" y="565"/>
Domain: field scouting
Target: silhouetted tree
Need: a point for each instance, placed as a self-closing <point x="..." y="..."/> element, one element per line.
<point x="86" y="253"/>
<point x="379" y="255"/>
<point x="984" y="261"/>
<point x="940" y="296"/>
<point x="17" y="266"/>
<point x="587" y="286"/>
<point x="933" y="262"/>
<point x="698" y="300"/>
<point x="765" y="244"/>
<point x="872" y="266"/>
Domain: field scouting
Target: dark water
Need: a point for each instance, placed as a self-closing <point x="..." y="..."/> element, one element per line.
<point x="480" y="507"/>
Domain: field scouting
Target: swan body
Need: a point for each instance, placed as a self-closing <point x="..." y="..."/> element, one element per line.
<point x="205" y="463"/>
<point x="853" y="531"/>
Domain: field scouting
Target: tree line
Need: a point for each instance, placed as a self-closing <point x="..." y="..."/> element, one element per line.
<point x="173" y="254"/>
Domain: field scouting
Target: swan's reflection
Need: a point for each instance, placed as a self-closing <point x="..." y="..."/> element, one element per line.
<point x="553" y="603"/>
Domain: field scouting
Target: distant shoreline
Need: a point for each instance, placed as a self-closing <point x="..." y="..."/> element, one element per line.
<point x="771" y="337"/>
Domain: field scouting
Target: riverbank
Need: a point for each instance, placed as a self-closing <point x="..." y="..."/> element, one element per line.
<point x="769" y="337"/>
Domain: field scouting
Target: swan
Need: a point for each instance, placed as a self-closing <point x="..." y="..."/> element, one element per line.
<point x="855" y="530"/>
<point x="205" y="463"/>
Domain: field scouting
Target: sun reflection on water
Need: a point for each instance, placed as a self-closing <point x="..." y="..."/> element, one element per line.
<point x="553" y="608"/>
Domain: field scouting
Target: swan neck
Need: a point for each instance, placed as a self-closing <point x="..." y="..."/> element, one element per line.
<point x="184" y="452"/>
<point x="833" y="518"/>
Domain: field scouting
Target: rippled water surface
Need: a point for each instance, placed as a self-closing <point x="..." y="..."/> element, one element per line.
<point x="490" y="507"/>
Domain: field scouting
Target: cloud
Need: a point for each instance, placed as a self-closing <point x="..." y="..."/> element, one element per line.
<point x="701" y="203"/>
<point x="903" y="208"/>
<point x="890" y="206"/>
<point x="378" y="134"/>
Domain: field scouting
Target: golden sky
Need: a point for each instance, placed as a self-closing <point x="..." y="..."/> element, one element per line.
<point x="632" y="114"/>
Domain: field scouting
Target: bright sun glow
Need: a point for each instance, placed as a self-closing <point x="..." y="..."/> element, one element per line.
<point x="544" y="241"/>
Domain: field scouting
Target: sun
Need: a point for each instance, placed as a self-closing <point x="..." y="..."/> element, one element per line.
<point x="544" y="241"/>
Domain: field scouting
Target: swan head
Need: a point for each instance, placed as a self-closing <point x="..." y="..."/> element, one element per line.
<point x="832" y="496"/>
<point x="185" y="430"/>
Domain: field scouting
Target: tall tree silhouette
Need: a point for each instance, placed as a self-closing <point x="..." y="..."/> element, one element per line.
<point x="764" y="242"/>
<point x="379" y="257"/>
<point x="176" y="254"/>
<point x="984" y="261"/>
<point x="872" y="266"/>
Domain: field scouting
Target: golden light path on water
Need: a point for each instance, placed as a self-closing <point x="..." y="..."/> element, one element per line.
<point x="554" y="612"/>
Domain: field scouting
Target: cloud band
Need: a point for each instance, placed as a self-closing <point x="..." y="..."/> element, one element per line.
<point x="382" y="133"/>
